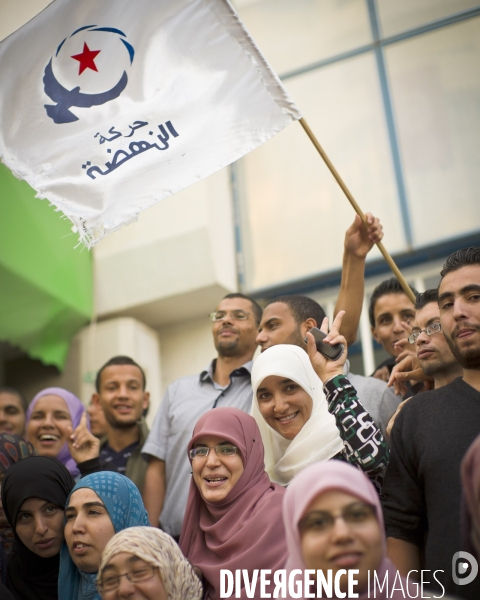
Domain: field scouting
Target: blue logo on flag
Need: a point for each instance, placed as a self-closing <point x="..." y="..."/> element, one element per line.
<point x="95" y="74"/>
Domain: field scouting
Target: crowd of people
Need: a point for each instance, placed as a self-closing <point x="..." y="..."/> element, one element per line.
<point x="284" y="475"/>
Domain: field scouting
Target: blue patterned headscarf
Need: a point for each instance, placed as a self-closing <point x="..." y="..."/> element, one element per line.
<point x="125" y="508"/>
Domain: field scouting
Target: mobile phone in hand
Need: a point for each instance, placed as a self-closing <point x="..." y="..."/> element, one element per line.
<point x="329" y="351"/>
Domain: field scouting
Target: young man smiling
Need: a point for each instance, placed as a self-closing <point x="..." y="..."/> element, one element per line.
<point x="121" y="394"/>
<point x="422" y="488"/>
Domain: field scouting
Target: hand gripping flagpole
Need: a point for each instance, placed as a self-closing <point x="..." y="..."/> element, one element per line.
<point x="358" y="210"/>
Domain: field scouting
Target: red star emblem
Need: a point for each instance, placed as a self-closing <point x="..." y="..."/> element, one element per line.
<point x="86" y="59"/>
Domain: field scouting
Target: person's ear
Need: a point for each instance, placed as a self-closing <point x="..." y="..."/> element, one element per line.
<point x="146" y="400"/>
<point x="96" y="399"/>
<point x="374" y="334"/>
<point x="307" y="325"/>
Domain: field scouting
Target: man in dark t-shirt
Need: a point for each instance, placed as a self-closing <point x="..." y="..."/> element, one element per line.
<point x="422" y="489"/>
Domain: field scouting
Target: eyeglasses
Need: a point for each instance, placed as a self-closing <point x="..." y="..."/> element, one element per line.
<point x="322" y="522"/>
<point x="220" y="450"/>
<point x="430" y="330"/>
<point x="235" y="315"/>
<point x="111" y="582"/>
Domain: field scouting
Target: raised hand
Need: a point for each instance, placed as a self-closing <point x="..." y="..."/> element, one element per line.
<point x="360" y="238"/>
<point x="405" y="349"/>
<point x="324" y="368"/>
<point x="82" y="444"/>
<point x="408" y="369"/>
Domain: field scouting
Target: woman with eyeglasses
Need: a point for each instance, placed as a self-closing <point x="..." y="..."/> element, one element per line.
<point x="302" y="424"/>
<point x="233" y="516"/>
<point x="99" y="506"/>
<point x="146" y="563"/>
<point x="333" y="522"/>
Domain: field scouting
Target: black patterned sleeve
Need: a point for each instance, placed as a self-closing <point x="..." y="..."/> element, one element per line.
<point x="363" y="443"/>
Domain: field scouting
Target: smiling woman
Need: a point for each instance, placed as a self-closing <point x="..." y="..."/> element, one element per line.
<point x="215" y="473"/>
<point x="50" y="415"/>
<point x="303" y="421"/>
<point x="334" y="521"/>
<point x="291" y="412"/>
<point x="231" y="499"/>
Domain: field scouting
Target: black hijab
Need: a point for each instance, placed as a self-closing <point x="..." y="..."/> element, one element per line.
<point x="29" y="576"/>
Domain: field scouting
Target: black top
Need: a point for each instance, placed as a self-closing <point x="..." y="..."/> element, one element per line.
<point x="422" y="488"/>
<point x="119" y="459"/>
<point x="94" y="465"/>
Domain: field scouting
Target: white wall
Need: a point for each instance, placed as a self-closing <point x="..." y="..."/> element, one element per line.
<point x="187" y="348"/>
<point x="173" y="263"/>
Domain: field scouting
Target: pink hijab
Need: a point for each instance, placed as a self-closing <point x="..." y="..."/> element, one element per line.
<point x="245" y="530"/>
<point x="314" y="481"/>
<point x="471" y="499"/>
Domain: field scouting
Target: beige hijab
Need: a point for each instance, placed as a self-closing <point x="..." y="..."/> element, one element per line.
<point x="319" y="439"/>
<point x="158" y="549"/>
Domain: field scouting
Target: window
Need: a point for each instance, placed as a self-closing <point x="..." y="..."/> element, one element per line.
<point x="398" y="117"/>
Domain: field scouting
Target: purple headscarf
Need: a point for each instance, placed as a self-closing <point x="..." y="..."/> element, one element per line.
<point x="76" y="410"/>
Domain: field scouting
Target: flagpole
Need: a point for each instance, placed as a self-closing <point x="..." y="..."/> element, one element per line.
<point x="358" y="210"/>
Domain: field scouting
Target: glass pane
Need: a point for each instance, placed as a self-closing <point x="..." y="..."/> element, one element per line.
<point x="294" y="213"/>
<point x="435" y="83"/>
<point x="293" y="33"/>
<point x="399" y="15"/>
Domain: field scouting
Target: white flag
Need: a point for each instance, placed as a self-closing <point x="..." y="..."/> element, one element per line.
<point x="108" y="106"/>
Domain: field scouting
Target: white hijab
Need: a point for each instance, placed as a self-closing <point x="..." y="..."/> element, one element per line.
<point x="319" y="438"/>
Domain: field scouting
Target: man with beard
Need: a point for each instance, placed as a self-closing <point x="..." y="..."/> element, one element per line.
<point x="121" y="394"/>
<point x="224" y="382"/>
<point x="434" y="360"/>
<point x="422" y="489"/>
